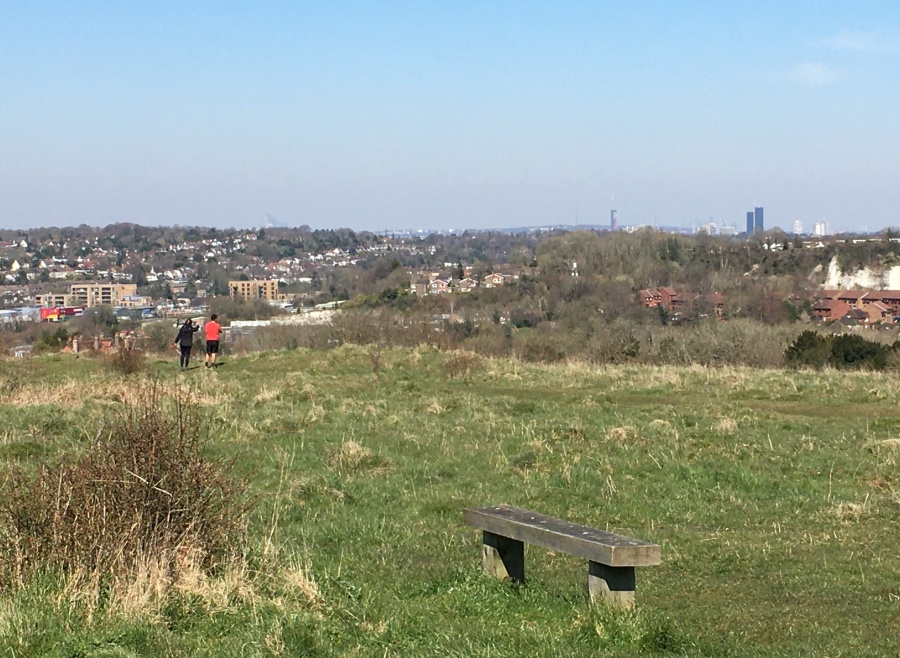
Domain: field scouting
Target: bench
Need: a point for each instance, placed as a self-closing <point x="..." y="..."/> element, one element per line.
<point x="611" y="558"/>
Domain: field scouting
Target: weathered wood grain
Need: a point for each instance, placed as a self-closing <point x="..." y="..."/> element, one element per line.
<point x="555" y="534"/>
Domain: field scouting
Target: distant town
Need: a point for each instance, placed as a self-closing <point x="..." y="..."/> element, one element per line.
<point x="145" y="273"/>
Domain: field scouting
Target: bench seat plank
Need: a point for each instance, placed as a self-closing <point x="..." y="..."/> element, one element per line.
<point x="562" y="536"/>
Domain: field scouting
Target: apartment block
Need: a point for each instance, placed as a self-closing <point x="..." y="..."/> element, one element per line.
<point x="99" y="294"/>
<point x="247" y="290"/>
<point x="53" y="299"/>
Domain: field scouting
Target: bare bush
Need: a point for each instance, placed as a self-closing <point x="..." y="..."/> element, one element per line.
<point x="143" y="494"/>
<point x="540" y="347"/>
<point x="278" y="337"/>
<point x="126" y="360"/>
<point x="492" y="340"/>
<point x="462" y="364"/>
<point x="158" y="336"/>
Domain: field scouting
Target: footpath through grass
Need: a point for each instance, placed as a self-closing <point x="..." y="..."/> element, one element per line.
<point x="774" y="496"/>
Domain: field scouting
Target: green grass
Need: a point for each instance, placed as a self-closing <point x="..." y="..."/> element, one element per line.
<point x="773" y="495"/>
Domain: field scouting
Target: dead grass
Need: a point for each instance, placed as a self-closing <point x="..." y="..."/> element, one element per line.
<point x="725" y="425"/>
<point x="298" y="580"/>
<point x="663" y="427"/>
<point x="351" y="458"/>
<point x="74" y="393"/>
<point x="267" y="395"/>
<point x="315" y="414"/>
<point x="848" y="512"/>
<point x="622" y="434"/>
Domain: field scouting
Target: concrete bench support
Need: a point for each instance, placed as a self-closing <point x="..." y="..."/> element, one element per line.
<point x="503" y="558"/>
<point x="611" y="558"/>
<point x="611" y="585"/>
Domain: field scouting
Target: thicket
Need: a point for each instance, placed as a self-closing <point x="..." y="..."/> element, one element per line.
<point x="737" y="342"/>
<point x="846" y="351"/>
<point x="143" y="496"/>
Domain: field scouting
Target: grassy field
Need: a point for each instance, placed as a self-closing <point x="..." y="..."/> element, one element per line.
<point x="775" y="497"/>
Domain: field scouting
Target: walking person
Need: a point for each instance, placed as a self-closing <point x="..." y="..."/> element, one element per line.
<point x="185" y="340"/>
<point x="213" y="330"/>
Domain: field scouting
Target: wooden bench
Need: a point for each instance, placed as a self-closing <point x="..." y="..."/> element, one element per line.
<point x="611" y="558"/>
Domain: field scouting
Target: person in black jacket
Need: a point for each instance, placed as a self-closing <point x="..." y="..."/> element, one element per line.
<point x="185" y="340"/>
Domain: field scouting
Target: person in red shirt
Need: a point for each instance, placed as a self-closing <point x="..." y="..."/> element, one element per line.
<point x="212" y="329"/>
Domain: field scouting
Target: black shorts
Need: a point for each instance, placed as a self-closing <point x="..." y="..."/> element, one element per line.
<point x="212" y="347"/>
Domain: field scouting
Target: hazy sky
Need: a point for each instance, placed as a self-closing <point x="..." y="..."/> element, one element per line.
<point x="386" y="115"/>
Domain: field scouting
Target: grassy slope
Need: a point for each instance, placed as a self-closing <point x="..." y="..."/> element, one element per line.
<point x="770" y="492"/>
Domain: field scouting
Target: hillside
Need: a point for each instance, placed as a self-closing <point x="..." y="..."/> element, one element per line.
<point x="772" y="493"/>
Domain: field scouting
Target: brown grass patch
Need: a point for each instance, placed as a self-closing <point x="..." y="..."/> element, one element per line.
<point x="622" y="434"/>
<point x="847" y="512"/>
<point x="351" y="458"/>
<point x="725" y="425"/>
<point x="299" y="580"/>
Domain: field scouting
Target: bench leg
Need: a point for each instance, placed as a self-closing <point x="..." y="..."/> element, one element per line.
<point x="611" y="585"/>
<point x="503" y="558"/>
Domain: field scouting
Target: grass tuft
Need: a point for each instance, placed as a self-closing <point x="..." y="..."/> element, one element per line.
<point x="351" y="458"/>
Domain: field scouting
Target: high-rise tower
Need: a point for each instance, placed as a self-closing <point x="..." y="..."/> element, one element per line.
<point x="758" y="226"/>
<point x="613" y="221"/>
<point x="750" y="223"/>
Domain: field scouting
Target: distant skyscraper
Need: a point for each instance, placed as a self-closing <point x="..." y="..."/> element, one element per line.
<point x="798" y="227"/>
<point x="821" y="228"/>
<point x="613" y="222"/>
<point x="750" y="223"/>
<point x="758" y="226"/>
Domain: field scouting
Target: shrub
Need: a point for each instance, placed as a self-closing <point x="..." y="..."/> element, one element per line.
<point x="462" y="364"/>
<point x="158" y="336"/>
<point x="52" y="341"/>
<point x="144" y="494"/>
<point x="809" y="349"/>
<point x="127" y="360"/>
<point x="852" y="351"/>
<point x="541" y="347"/>
<point x="277" y="337"/>
<point x="843" y="352"/>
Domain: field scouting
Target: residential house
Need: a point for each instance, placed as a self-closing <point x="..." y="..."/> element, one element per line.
<point x="439" y="287"/>
<point x="666" y="293"/>
<point x="855" y="317"/>
<point x="888" y="298"/>
<point x="494" y="280"/>
<point x="650" y="297"/>
<point x="681" y="300"/>
<point x="850" y="297"/>
<point x="877" y="312"/>
<point x="716" y="300"/>
<point x="830" y="309"/>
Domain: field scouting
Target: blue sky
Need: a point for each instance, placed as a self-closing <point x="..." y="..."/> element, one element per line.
<point x="389" y="115"/>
